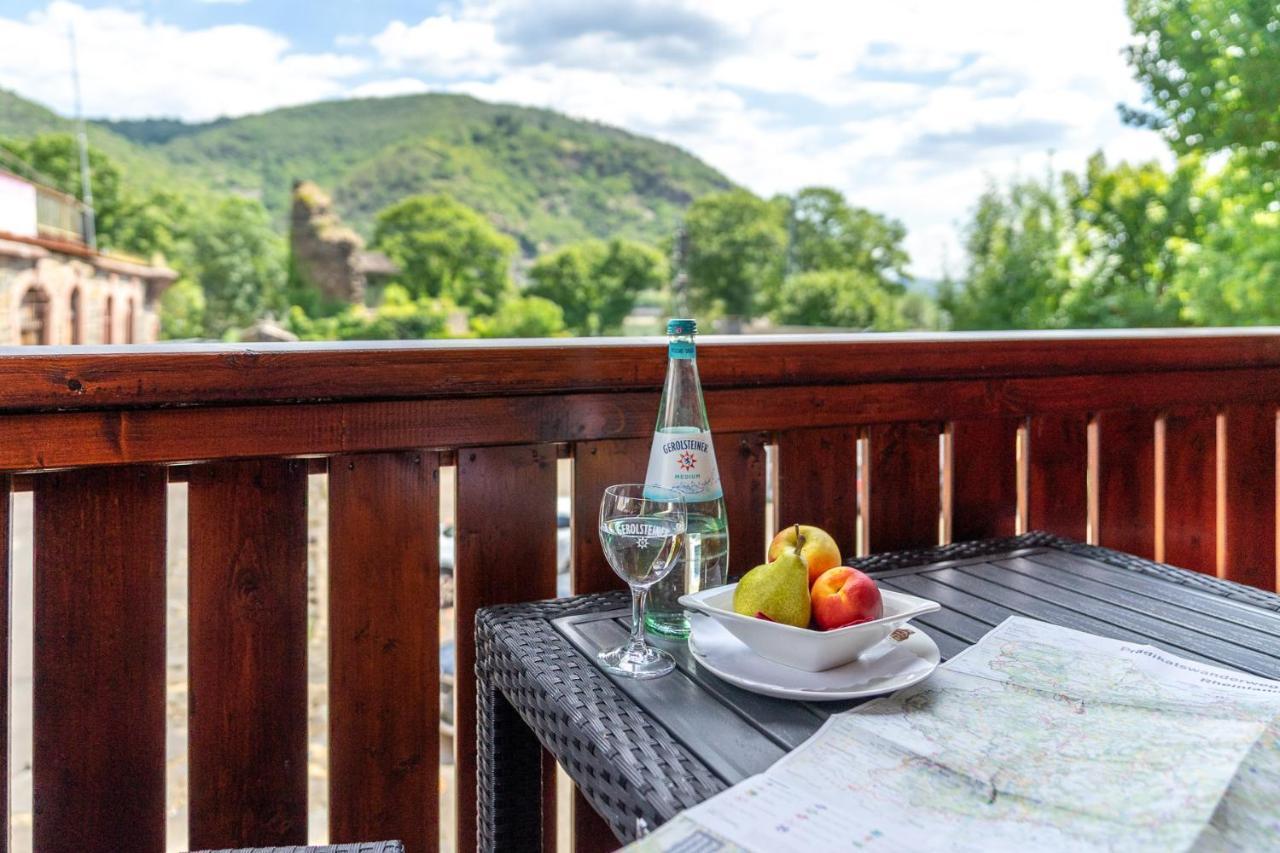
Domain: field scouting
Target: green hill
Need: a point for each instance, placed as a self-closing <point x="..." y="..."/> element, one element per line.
<point x="145" y="168"/>
<point x="542" y="177"/>
<point x="20" y="117"/>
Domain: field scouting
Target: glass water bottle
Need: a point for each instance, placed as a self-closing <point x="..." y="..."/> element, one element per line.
<point x="683" y="458"/>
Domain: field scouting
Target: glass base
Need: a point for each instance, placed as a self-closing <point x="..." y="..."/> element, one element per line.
<point x="636" y="662"/>
<point x="667" y="624"/>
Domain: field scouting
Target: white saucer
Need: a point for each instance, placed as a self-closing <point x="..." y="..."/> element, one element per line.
<point x="890" y="665"/>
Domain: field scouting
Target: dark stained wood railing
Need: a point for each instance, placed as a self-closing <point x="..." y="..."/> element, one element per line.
<point x="1161" y="443"/>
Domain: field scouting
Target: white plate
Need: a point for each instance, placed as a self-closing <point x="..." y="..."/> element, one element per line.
<point x="888" y="666"/>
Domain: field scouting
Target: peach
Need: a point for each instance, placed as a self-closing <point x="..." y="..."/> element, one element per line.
<point x="844" y="596"/>
<point x="818" y="551"/>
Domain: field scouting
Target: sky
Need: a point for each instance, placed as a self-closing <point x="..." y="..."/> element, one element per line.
<point x="910" y="107"/>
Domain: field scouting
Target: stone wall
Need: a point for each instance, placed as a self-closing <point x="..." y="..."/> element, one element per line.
<point x="57" y="276"/>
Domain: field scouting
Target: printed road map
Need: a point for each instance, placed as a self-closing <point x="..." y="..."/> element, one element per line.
<point x="1038" y="737"/>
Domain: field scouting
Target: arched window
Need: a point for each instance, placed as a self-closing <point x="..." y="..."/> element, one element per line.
<point x="76" y="318"/>
<point x="128" y="324"/>
<point x="108" y="320"/>
<point x="34" y="317"/>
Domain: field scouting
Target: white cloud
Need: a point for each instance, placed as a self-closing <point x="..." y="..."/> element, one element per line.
<point x="646" y="106"/>
<point x="442" y="46"/>
<point x="390" y="88"/>
<point x="135" y="65"/>
<point x="910" y="107"/>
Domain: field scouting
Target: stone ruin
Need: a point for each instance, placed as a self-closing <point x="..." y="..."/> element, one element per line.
<point x="327" y="255"/>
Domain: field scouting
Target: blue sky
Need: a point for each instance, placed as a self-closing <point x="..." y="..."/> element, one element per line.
<point x="910" y="108"/>
<point x="311" y="26"/>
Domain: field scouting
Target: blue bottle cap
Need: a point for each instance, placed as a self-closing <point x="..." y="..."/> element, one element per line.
<point x="682" y="327"/>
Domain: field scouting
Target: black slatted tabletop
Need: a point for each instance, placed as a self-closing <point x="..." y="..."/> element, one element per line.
<point x="649" y="749"/>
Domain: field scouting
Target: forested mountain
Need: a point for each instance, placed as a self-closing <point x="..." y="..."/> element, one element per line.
<point x="22" y="119"/>
<point x="542" y="177"/>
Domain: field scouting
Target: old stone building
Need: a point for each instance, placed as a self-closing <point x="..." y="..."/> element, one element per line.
<point x="327" y="256"/>
<point x="54" y="289"/>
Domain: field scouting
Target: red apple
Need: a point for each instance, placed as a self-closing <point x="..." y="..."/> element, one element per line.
<point x="844" y="596"/>
<point x="818" y="551"/>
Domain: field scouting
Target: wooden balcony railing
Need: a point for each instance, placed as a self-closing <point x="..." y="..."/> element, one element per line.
<point x="1163" y="444"/>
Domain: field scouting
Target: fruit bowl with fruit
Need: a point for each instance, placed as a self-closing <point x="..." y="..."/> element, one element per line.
<point x="803" y="608"/>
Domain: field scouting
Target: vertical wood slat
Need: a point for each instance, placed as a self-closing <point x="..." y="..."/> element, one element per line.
<point x="99" y="660"/>
<point x="1127" y="481"/>
<point x="247" y="740"/>
<point x="1057" y="499"/>
<point x="818" y="482"/>
<point x="984" y="478"/>
<point x="1249" y="496"/>
<point x="6" y="581"/>
<point x="506" y="552"/>
<point x="1189" y="503"/>
<point x="741" y="459"/>
<point x="591" y="833"/>
<point x="902" y="486"/>
<point x="596" y="466"/>
<point x="549" y="800"/>
<point x="384" y="637"/>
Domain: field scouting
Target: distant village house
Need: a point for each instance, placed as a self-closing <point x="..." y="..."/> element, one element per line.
<point x="54" y="288"/>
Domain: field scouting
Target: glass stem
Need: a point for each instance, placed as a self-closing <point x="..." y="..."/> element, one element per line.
<point x="638" y="595"/>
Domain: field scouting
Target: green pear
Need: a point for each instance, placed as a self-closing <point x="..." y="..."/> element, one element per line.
<point x="777" y="591"/>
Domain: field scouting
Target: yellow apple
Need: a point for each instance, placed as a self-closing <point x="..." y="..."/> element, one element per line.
<point x="817" y="550"/>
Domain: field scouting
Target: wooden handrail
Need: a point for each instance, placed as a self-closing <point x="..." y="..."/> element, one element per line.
<point x="56" y="378"/>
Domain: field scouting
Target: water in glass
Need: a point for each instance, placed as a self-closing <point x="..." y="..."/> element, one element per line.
<point x="642" y="530"/>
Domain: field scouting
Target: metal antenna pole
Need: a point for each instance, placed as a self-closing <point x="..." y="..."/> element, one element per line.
<point x="789" y="266"/>
<point x="680" y="282"/>
<point x="82" y="137"/>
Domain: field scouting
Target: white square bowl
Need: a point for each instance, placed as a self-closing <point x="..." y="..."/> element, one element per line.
<point x="806" y="648"/>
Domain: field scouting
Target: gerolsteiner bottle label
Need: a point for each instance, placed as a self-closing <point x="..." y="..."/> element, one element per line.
<point x="683" y="459"/>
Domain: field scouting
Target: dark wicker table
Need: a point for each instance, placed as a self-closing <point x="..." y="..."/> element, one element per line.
<point x="647" y="750"/>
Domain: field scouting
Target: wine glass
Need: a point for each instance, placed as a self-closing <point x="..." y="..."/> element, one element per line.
<point x="642" y="528"/>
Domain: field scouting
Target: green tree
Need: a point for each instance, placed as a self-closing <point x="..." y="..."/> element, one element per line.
<point x="736" y="246"/>
<point x="1230" y="274"/>
<point x="919" y="311"/>
<point x="399" y="316"/>
<point x="849" y="265"/>
<point x="1126" y="222"/>
<point x="830" y="234"/>
<point x="56" y="156"/>
<point x="153" y="224"/>
<point x="182" y="309"/>
<point x="522" y="317"/>
<point x="1016" y="265"/>
<point x="843" y="298"/>
<point x="595" y="283"/>
<point x="446" y="249"/>
<point x="239" y="262"/>
<point x="142" y="224"/>
<point x="1211" y="70"/>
